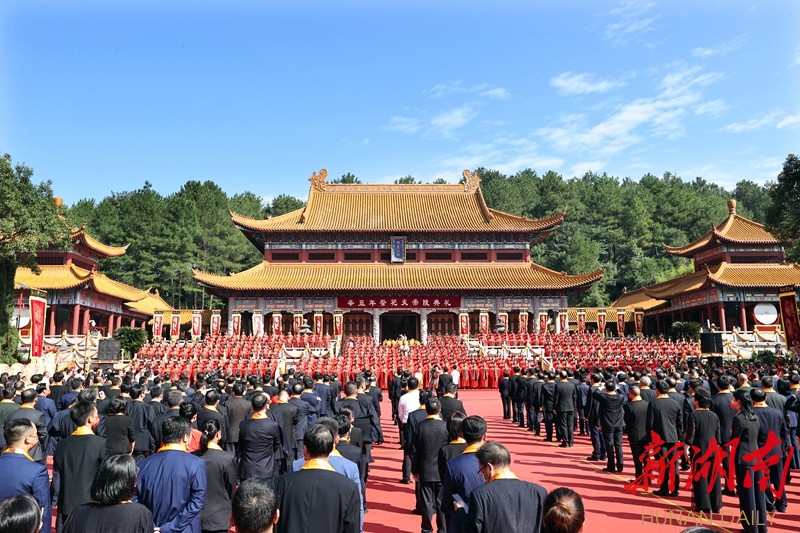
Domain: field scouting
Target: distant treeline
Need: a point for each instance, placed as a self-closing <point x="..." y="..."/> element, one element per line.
<point x="617" y="224"/>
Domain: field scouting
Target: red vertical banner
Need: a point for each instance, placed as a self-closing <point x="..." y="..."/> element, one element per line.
<point x="563" y="321"/>
<point x="317" y="323"/>
<point x="257" y="324"/>
<point x="38" y="307"/>
<point x="216" y="321"/>
<point x="197" y="324"/>
<point x="502" y="317"/>
<point x="338" y="320"/>
<point x="158" y="324"/>
<point x="297" y="322"/>
<point x="175" y="325"/>
<point x="484" y="322"/>
<point x="463" y="320"/>
<point x="277" y="323"/>
<point x="236" y="324"/>
<point x="523" y="322"/>
<point x="638" y="318"/>
<point x="789" y="319"/>
<point x="601" y="322"/>
<point x="621" y="322"/>
<point x="581" y="320"/>
<point x="542" y="321"/>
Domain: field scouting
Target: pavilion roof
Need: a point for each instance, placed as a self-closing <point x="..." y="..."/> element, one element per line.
<point x="80" y="235"/>
<point x="397" y="208"/>
<point x="734" y="229"/>
<point x="361" y="277"/>
<point x="150" y="304"/>
<point x="637" y="299"/>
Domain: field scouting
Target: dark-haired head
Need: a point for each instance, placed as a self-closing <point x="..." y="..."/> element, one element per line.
<point x="703" y="398"/>
<point x="21" y="433"/>
<point x="743" y="403"/>
<point x="187" y="410"/>
<point x="259" y="402"/>
<point x="563" y="512"/>
<point x="433" y="406"/>
<point x="757" y="395"/>
<point x="495" y="454"/>
<point x="343" y="424"/>
<point x="424" y="396"/>
<point x="255" y="507"/>
<point x="175" y="429"/>
<point x="117" y="406"/>
<point x="20" y="514"/>
<point x="454" y="425"/>
<point x="210" y="429"/>
<point x="413" y="383"/>
<point x="82" y="413"/>
<point x="474" y="429"/>
<point x="115" y="480"/>
<point x="318" y="441"/>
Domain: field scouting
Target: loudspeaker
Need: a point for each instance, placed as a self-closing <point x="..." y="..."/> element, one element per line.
<point x="714" y="361"/>
<point x="711" y="343"/>
<point x="108" y="349"/>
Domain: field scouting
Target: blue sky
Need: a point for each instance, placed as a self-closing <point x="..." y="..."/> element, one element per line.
<point x="256" y="95"/>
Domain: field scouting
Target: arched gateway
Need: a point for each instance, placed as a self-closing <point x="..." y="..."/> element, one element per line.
<point x="391" y="260"/>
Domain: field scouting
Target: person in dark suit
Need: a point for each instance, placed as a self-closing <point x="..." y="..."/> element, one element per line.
<point x="665" y="419"/>
<point x="57" y="388"/>
<point x="431" y="436"/>
<point x="548" y="405"/>
<point x="45" y="404"/>
<point x="702" y="428"/>
<point x="752" y="500"/>
<point x="140" y="413"/>
<point x="334" y="498"/>
<point x="120" y="436"/>
<point x="611" y="422"/>
<point x="534" y="399"/>
<point x="376" y="393"/>
<point x="260" y="446"/>
<point x="77" y="459"/>
<point x="460" y="475"/>
<point x="513" y="379"/>
<point x="520" y="393"/>
<point x="636" y="427"/>
<point x="156" y="403"/>
<point x="504" y="503"/>
<point x="445" y="378"/>
<point x="238" y="408"/>
<point x="565" y="402"/>
<point x="504" y="387"/>
<point x="721" y="405"/>
<point x="288" y="416"/>
<point x="646" y="392"/>
<point x="20" y="474"/>
<point x="350" y="451"/>
<point x="255" y="507"/>
<point x="172" y="482"/>
<point x="302" y="424"/>
<point x="583" y="398"/>
<point x="395" y="391"/>
<point x="27" y="410"/>
<point x="323" y="391"/>
<point x="221" y="478"/>
<point x="449" y="402"/>
<point x="211" y="411"/>
<point x="174" y="399"/>
<point x="771" y="420"/>
<point x="310" y="397"/>
<point x="593" y="419"/>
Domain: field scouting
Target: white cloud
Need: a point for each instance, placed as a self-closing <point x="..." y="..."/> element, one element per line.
<point x="484" y="90"/>
<point x="721" y="49"/>
<point x="711" y="108"/>
<point x="407" y="125"/>
<point x="796" y="61"/>
<point x="569" y="83"/>
<point x="631" y="19"/>
<point x="447" y="122"/>
<point x="753" y="124"/>
<point x="504" y="154"/>
<point x="789" y="122"/>
<point x="444" y="89"/>
<point x="579" y="169"/>
<point x="495" y="93"/>
<point x="365" y="141"/>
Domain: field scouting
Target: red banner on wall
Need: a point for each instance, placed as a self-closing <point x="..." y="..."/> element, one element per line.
<point x="523" y="321"/>
<point x="175" y="325"/>
<point x="463" y="319"/>
<point x="277" y="323"/>
<point x="337" y="324"/>
<point x="236" y="324"/>
<point x="581" y="320"/>
<point x="158" y="324"/>
<point x="197" y="324"/>
<point x="297" y="321"/>
<point x="638" y="317"/>
<point x="542" y="322"/>
<point x="563" y="319"/>
<point x="37" y="307"/>
<point x="399" y="302"/>
<point x="216" y="321"/>
<point x="484" y="322"/>
<point x="318" y="323"/>
<point x="621" y="322"/>
<point x="789" y="318"/>
<point x="601" y="322"/>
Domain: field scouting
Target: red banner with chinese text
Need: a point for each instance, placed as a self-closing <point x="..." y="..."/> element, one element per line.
<point x="601" y="322"/>
<point x="175" y="325"/>
<point x="542" y="321"/>
<point x="337" y="324"/>
<point x="158" y="324"/>
<point x="789" y="319"/>
<point x="621" y="322"/>
<point x="638" y="317"/>
<point x="318" y="323"/>
<point x="216" y="321"/>
<point x="258" y="324"/>
<point x="277" y="325"/>
<point x="38" y="307"/>
<point x="463" y="319"/>
<point x="297" y="321"/>
<point x="484" y="322"/>
<point x="581" y="320"/>
<point x="563" y="319"/>
<point x="236" y="324"/>
<point x="197" y="324"/>
<point x="523" y="321"/>
<point x="399" y="302"/>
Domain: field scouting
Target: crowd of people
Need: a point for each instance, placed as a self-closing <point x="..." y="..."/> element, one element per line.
<point x="140" y="452"/>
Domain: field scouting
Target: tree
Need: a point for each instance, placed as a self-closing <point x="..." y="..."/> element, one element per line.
<point x="685" y="330"/>
<point x="783" y="213"/>
<point x="440" y="181"/>
<point x="131" y="339"/>
<point x="29" y="221"/>
<point x="753" y="199"/>
<point x="347" y="179"/>
<point x="406" y="180"/>
<point x="283" y="204"/>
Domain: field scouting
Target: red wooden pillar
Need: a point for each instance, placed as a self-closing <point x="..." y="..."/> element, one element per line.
<point x="85" y="321"/>
<point x="723" y="326"/>
<point x="133" y="323"/>
<point x="110" y="327"/>
<point x="76" y="317"/>
<point x="119" y="324"/>
<point x="743" y="317"/>
<point x="53" y="316"/>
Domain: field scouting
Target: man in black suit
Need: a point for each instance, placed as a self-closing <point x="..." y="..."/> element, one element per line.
<point x="287" y="417"/>
<point x="583" y="399"/>
<point x="323" y="391"/>
<point x="139" y="412"/>
<point x="666" y="420"/>
<point x="445" y="378"/>
<point x="504" y="503"/>
<point x="310" y="397"/>
<point x="376" y="393"/>
<point x="520" y="393"/>
<point x="548" y="405"/>
<point x="395" y="391"/>
<point x="636" y="427"/>
<point x="302" y="424"/>
<point x="334" y="498"/>
<point x="260" y="450"/>
<point x="532" y="389"/>
<point x="611" y="420"/>
<point x="504" y="387"/>
<point x="449" y="402"/>
<point x="565" y="401"/>
<point x="512" y="393"/>
<point x="431" y="436"/>
<point x="211" y="411"/>
<point x="27" y="410"/>
<point x="410" y="433"/>
<point x="348" y="450"/>
<point x="174" y="399"/>
<point x="593" y="419"/>
<point x="771" y="420"/>
<point x="238" y="408"/>
<point x="721" y="406"/>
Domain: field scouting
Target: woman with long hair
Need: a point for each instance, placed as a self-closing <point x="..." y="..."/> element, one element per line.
<point x="221" y="479"/>
<point x="563" y="512"/>
<point x="112" y="508"/>
<point x="752" y="501"/>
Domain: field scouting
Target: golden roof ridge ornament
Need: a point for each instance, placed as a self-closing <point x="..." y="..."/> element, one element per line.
<point x="318" y="180"/>
<point x="471" y="181"/>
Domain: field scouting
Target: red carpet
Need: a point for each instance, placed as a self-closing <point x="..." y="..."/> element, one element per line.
<point x="609" y="507"/>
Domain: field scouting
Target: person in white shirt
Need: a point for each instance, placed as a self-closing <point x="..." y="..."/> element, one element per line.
<point x="408" y="402"/>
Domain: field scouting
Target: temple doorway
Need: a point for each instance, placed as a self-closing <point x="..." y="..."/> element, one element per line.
<point x="395" y="324"/>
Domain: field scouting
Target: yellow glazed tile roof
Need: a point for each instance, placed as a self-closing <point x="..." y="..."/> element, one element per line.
<point x="387" y="277"/>
<point x="97" y="246"/>
<point x="53" y="277"/>
<point x="397" y="208"/>
<point x="734" y="229"/>
<point x="756" y="275"/>
<point x="149" y="304"/>
<point x="637" y="300"/>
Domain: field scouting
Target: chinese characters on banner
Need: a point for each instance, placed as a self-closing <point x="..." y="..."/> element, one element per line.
<point x="37" y="307"/>
<point x="638" y="317"/>
<point x="317" y="323"/>
<point x="337" y="324"/>
<point x="175" y="325"/>
<point x="276" y="323"/>
<point x="236" y="324"/>
<point x="542" y="321"/>
<point x="523" y="321"/>
<point x="563" y="319"/>
<point x="297" y="322"/>
<point x="581" y="320"/>
<point x="258" y="323"/>
<point x="197" y="324"/>
<point x="620" y="322"/>
<point x="791" y="324"/>
<point x="463" y="319"/>
<point x="398" y="302"/>
<point x="158" y="324"/>
<point x="484" y="322"/>
<point x="216" y="320"/>
<point x="601" y="322"/>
